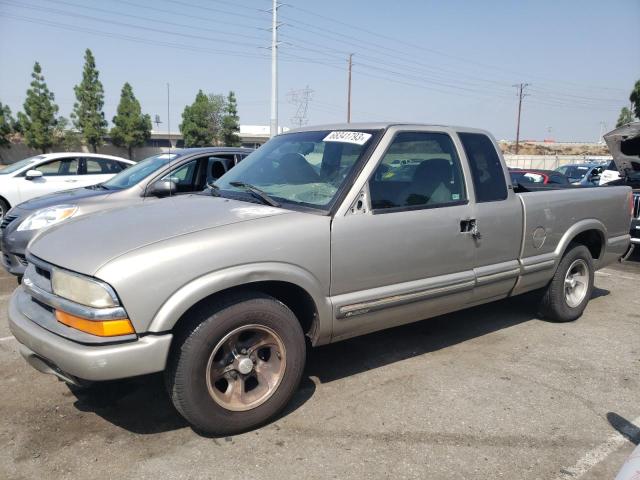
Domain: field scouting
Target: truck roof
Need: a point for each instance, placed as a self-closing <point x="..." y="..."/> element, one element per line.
<point x="379" y="126"/>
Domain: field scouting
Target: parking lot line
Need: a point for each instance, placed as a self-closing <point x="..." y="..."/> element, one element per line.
<point x="614" y="274"/>
<point x="596" y="455"/>
<point x="4" y="339"/>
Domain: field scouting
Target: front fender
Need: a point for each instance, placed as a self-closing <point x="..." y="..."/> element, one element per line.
<point x="200" y="288"/>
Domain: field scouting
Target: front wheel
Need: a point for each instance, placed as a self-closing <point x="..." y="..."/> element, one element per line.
<point x="236" y="363"/>
<point x="568" y="293"/>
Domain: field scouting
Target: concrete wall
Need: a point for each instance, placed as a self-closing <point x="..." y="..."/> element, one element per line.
<point x="550" y="162"/>
<point x="540" y="162"/>
<point x="19" y="151"/>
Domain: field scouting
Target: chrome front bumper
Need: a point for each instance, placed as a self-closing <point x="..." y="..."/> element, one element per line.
<point x="70" y="360"/>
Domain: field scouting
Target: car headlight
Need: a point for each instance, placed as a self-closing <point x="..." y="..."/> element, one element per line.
<point x="47" y="217"/>
<point x="82" y="290"/>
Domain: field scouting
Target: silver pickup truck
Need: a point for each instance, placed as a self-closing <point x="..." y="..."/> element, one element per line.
<point x="324" y="233"/>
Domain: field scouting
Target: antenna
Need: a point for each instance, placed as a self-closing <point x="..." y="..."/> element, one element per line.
<point x="169" y="130"/>
<point x="301" y="99"/>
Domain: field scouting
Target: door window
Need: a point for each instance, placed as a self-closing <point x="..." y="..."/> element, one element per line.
<point x="419" y="170"/>
<point x="184" y="177"/>
<point x="63" y="166"/>
<point x="486" y="170"/>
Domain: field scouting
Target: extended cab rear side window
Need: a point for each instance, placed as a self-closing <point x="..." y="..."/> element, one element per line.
<point x="486" y="169"/>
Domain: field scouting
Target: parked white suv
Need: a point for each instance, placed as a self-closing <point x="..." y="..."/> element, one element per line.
<point x="53" y="172"/>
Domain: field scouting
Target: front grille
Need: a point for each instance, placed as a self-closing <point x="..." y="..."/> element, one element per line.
<point x="636" y="205"/>
<point x="7" y="220"/>
<point x="22" y="260"/>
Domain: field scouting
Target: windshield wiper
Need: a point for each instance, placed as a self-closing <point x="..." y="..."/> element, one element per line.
<point x="256" y="193"/>
<point x="215" y="189"/>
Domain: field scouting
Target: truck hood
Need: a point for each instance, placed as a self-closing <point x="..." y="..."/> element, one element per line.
<point x="65" y="197"/>
<point x="624" y="145"/>
<point x="86" y="243"/>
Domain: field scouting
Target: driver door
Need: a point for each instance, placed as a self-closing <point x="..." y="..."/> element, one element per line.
<point x="408" y="254"/>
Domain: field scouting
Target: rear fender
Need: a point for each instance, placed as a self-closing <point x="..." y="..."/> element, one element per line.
<point x="575" y="230"/>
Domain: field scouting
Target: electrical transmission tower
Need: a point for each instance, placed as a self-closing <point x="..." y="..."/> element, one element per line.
<point x="300" y="99"/>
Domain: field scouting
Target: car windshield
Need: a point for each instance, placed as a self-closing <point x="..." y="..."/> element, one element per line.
<point x="574" y="172"/>
<point x="141" y="170"/>
<point x="14" y="167"/>
<point x="304" y="168"/>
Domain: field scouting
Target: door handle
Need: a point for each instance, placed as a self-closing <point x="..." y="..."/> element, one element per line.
<point x="71" y="181"/>
<point x="470" y="226"/>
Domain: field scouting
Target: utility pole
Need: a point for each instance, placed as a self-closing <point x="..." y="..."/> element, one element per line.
<point x="349" y="89"/>
<point x="521" y="94"/>
<point x="603" y="129"/>
<point x="274" y="68"/>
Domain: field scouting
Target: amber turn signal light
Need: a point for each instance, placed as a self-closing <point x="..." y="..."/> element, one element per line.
<point x="105" y="328"/>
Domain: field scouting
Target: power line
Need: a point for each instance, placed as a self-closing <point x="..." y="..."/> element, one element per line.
<point x="191" y="48"/>
<point x="129" y="25"/>
<point x="147" y="19"/>
<point x="466" y="61"/>
<point x="181" y="13"/>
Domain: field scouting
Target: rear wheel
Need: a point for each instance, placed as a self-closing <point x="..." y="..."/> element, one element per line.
<point x="236" y="363"/>
<point x="568" y="293"/>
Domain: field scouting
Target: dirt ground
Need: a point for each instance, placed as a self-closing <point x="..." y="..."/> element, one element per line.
<point x="537" y="148"/>
<point x="489" y="392"/>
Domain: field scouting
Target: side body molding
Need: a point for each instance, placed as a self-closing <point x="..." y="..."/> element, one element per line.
<point x="244" y="275"/>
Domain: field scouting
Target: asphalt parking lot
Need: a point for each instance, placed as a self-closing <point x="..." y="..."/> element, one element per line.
<point x="490" y="392"/>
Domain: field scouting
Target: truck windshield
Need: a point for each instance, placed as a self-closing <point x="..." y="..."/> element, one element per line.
<point x="304" y="168"/>
<point x="141" y="170"/>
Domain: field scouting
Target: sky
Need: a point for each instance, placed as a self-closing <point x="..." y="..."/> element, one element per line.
<point x="444" y="62"/>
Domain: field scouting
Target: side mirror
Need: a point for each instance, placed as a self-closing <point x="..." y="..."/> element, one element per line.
<point x="162" y="188"/>
<point x="32" y="174"/>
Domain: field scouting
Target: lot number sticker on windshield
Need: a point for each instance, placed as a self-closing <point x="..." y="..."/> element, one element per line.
<point x="358" y="138"/>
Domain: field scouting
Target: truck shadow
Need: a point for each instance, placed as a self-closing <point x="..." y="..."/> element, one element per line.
<point x="141" y="405"/>
<point x="340" y="360"/>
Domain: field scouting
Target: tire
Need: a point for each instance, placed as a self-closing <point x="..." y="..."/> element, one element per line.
<point x="194" y="382"/>
<point x="4" y="208"/>
<point x="561" y="302"/>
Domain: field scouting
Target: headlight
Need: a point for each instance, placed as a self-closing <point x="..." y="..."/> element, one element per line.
<point x="47" y="217"/>
<point x="82" y="290"/>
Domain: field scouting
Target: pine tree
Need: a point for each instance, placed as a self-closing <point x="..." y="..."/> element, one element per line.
<point x="625" y="117"/>
<point x="87" y="115"/>
<point x="131" y="127"/>
<point x="231" y="122"/>
<point x="38" y="122"/>
<point x="634" y="98"/>
<point x="6" y="125"/>
<point x="195" y="126"/>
